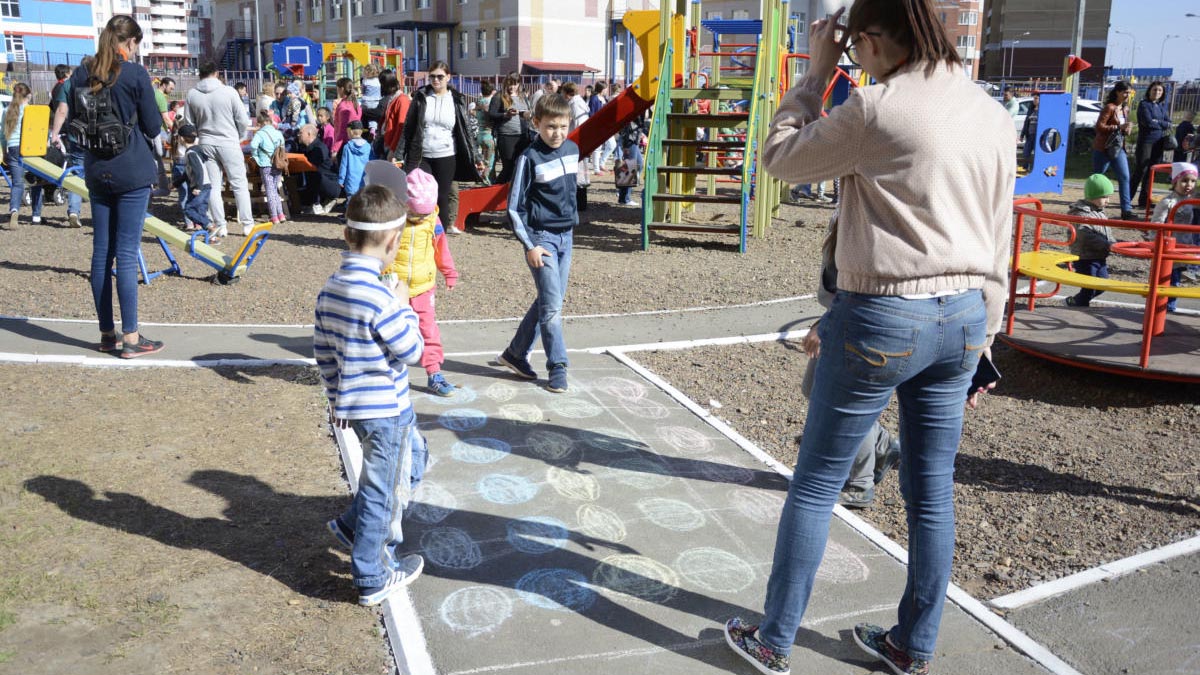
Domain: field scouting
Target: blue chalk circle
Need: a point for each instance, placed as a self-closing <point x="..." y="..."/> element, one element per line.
<point x="480" y="450"/>
<point x="500" y="488"/>
<point x="463" y="419"/>
<point x="537" y="534"/>
<point x="462" y="395"/>
<point x="560" y="589"/>
<point x="451" y="547"/>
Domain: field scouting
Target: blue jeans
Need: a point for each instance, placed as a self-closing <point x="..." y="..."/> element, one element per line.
<point x="16" y="173"/>
<point x="179" y="179"/>
<point x="926" y="352"/>
<point x="633" y="152"/>
<point x="117" y="220"/>
<point x="545" y="314"/>
<point x="196" y="208"/>
<point x="1120" y="166"/>
<point x="74" y="201"/>
<point x="374" y="514"/>
<point x="1093" y="267"/>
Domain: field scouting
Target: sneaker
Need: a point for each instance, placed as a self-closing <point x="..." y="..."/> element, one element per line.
<point x="1130" y="215"/>
<point x="73" y="220"/>
<point x="558" y="380"/>
<point x="111" y="343"/>
<point x="890" y="459"/>
<point x="141" y="348"/>
<point x="1072" y="301"/>
<point x="857" y="499"/>
<point x="453" y="230"/>
<point x="344" y="536"/>
<point x="13" y="218"/>
<point x="439" y="386"/>
<point x="874" y="641"/>
<point x="407" y="571"/>
<point x="520" y="367"/>
<point x="247" y="229"/>
<point x="743" y="640"/>
<point x="628" y="203"/>
<point x="318" y="210"/>
<point x="822" y="199"/>
<point x="37" y="219"/>
<point x="222" y="231"/>
<point x="328" y="208"/>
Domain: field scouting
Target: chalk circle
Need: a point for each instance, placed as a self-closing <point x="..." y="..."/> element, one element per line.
<point x="476" y="610"/>
<point x="575" y="408"/>
<point x="714" y="570"/>
<point x="462" y="419"/>
<point x="431" y="503"/>
<point x="537" y="534"/>
<point x="501" y="488"/>
<point x="642" y="473"/>
<point x="573" y="484"/>
<point x="636" y="576"/>
<point x="600" y="523"/>
<point x="480" y="450"/>
<point x="726" y="473"/>
<point x="621" y="388"/>
<point x="500" y="392"/>
<point x="757" y="505"/>
<point x="686" y="440"/>
<point x="611" y="440"/>
<point x="559" y="589"/>
<point x="450" y="547"/>
<point x="523" y="414"/>
<point x="672" y="514"/>
<point x="841" y="566"/>
<point x="645" y="408"/>
<point x="549" y="445"/>
<point x="462" y="395"/>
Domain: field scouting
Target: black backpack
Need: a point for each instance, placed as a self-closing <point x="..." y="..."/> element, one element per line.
<point x="96" y="125"/>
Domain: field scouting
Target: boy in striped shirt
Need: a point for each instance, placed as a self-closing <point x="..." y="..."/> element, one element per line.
<point x="364" y="336"/>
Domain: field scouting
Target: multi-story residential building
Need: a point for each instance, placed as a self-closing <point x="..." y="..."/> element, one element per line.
<point x="176" y="33"/>
<point x="964" y="22"/>
<point x="1028" y="39"/>
<point x="46" y="33"/>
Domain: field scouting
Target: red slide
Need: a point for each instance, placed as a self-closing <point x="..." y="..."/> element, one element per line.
<point x="600" y="127"/>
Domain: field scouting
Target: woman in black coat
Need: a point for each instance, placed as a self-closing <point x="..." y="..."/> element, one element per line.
<point x="440" y="137"/>
<point x="1154" y="125"/>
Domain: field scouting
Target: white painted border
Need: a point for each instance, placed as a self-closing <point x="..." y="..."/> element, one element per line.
<point x="143" y="362"/>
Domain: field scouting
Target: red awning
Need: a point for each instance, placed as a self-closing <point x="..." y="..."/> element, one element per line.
<point x="536" y="67"/>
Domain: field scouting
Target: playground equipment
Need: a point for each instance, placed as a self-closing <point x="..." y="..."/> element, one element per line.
<point x="1111" y="340"/>
<point x="1050" y="146"/>
<point x="34" y="132"/>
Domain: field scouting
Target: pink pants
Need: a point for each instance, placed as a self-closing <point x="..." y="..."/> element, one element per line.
<point x="423" y="305"/>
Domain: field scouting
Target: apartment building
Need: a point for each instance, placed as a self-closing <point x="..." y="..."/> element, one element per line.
<point x="46" y="33"/>
<point x="177" y="34"/>
<point x="1028" y="39"/>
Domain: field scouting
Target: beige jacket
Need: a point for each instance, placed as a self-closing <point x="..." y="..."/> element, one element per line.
<point x="927" y="167"/>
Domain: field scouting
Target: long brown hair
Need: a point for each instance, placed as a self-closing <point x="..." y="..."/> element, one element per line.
<point x="20" y="96"/>
<point x="910" y="23"/>
<point x="348" y="90"/>
<point x="107" y="64"/>
<point x="509" y="80"/>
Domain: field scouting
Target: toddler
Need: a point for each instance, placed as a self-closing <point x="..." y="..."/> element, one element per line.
<point x="262" y="149"/>
<point x="371" y="91"/>
<point x="1092" y="242"/>
<point x="195" y="177"/>
<point x="355" y="154"/>
<point x="1183" y="183"/>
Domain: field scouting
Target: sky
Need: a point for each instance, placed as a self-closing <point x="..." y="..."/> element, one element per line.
<point x="1150" y="21"/>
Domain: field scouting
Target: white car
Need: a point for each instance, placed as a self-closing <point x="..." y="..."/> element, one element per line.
<point x="1087" y="112"/>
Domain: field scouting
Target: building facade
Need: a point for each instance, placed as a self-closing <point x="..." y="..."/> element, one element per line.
<point x="964" y="22"/>
<point x="176" y="33"/>
<point x="1029" y="39"/>
<point x="43" y="33"/>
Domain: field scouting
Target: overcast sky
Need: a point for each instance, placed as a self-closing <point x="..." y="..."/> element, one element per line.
<point x="1149" y="21"/>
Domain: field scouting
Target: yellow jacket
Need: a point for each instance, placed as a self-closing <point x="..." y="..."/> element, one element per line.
<point x="423" y="252"/>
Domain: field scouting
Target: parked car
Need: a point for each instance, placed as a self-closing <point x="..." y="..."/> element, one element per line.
<point x="1087" y="111"/>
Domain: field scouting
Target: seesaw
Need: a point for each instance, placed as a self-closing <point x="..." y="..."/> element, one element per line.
<point x="34" y="132"/>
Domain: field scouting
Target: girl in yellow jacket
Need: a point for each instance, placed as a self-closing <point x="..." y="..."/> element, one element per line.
<point x="422" y="254"/>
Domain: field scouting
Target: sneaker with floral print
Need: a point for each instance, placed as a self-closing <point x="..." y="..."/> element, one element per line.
<point x="875" y="641"/>
<point x="744" y="640"/>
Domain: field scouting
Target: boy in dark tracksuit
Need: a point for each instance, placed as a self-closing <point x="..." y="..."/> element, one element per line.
<point x="195" y="181"/>
<point x="541" y="204"/>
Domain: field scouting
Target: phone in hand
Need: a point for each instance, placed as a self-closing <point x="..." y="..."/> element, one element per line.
<point x="985" y="374"/>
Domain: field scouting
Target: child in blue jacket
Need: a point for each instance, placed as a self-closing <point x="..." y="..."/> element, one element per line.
<point x="355" y="155"/>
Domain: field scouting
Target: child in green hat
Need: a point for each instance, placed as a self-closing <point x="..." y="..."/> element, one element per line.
<point x="1092" y="242"/>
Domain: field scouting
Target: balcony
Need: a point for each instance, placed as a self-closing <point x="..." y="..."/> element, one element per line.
<point x="169" y="39"/>
<point x="167" y="10"/>
<point x="170" y="23"/>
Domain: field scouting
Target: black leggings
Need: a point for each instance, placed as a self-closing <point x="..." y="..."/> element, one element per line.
<point x="442" y="169"/>
<point x="1146" y="156"/>
<point x="506" y="148"/>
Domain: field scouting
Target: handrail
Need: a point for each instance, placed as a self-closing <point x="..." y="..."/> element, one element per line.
<point x="654" y="146"/>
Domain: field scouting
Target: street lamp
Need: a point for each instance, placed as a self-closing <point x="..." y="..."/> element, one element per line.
<point x="1012" y="56"/>
<point x="1012" y="47"/>
<point x="1133" y="52"/>
<point x="1164" y="48"/>
<point x="258" y="49"/>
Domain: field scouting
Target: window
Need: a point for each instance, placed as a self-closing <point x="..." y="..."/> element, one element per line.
<point x="464" y="44"/>
<point x="422" y="46"/>
<point x="481" y="43"/>
<point x="966" y="41"/>
<point x="317" y="10"/>
<point x="299" y="12"/>
<point x="400" y="5"/>
<point x="801" y="22"/>
<point x="377" y="6"/>
<point x="715" y="16"/>
<point x="10" y="9"/>
<point x="357" y="7"/>
<point x="741" y="14"/>
<point x="943" y="17"/>
<point x="968" y="18"/>
<point x="335" y="9"/>
<point x="422" y="4"/>
<point x="619" y="50"/>
<point x="501" y="42"/>
<point x="281" y="12"/>
<point x="15" y="45"/>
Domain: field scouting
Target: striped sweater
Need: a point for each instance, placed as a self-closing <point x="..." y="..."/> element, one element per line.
<point x="363" y="337"/>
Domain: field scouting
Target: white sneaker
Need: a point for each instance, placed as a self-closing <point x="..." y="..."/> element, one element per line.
<point x="318" y="210"/>
<point x="223" y="231"/>
<point x="37" y="219"/>
<point x="453" y="230"/>
<point x="13" y="218"/>
<point x="247" y="229"/>
<point x="407" y="570"/>
<point x="73" y="220"/>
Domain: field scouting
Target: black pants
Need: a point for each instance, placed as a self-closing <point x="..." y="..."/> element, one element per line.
<point x="317" y="187"/>
<point x="506" y="148"/>
<point x="442" y="169"/>
<point x="1145" y="156"/>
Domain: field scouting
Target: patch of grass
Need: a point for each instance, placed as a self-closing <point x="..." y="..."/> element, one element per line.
<point x="7" y="619"/>
<point x="7" y="654"/>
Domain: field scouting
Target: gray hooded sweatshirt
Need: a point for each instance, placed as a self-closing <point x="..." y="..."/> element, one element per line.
<point x="217" y="112"/>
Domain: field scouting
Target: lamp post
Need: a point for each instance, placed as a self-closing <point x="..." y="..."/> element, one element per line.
<point x="1133" y="51"/>
<point x="1163" y="50"/>
<point x="1012" y="56"/>
<point x="258" y="48"/>
<point x="1012" y="47"/>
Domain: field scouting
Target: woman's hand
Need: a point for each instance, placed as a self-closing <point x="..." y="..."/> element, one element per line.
<point x="825" y="47"/>
<point x="811" y="343"/>
<point x="973" y="397"/>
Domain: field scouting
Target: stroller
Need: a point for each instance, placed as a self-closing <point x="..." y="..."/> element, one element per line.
<point x="51" y="193"/>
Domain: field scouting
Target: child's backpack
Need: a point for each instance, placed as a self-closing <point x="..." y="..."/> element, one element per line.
<point x="279" y="158"/>
<point x="96" y="125"/>
<point x="625" y="173"/>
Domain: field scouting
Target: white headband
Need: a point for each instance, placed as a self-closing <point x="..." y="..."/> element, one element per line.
<point x="389" y="225"/>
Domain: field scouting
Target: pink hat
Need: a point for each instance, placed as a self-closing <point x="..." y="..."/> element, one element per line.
<point x="1182" y="169"/>
<point x="422" y="192"/>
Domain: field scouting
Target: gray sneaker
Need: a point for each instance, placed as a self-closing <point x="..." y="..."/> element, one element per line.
<point x="408" y="569"/>
<point x="890" y="459"/>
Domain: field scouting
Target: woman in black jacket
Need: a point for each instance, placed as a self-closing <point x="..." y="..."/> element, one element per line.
<point x="511" y="124"/>
<point x="119" y="185"/>
<point x="1154" y="123"/>
<point x="439" y="137"/>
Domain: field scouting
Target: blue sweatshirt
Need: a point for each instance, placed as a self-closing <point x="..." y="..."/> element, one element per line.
<point x="355" y="155"/>
<point x="134" y="168"/>
<point x="542" y="192"/>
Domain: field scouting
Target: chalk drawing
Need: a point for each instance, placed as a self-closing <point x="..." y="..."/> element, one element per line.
<point x="726" y="473"/>
<point x="500" y="488"/>
<point x="462" y="419"/>
<point x="757" y="505"/>
<point x="636" y="576"/>
<point x="559" y="589"/>
<point x="575" y="408"/>
<point x="480" y="450"/>
<point x="672" y="514"/>
<point x="685" y="440"/>
<point x="549" y="445"/>
<point x="642" y="473"/>
<point x="520" y="413"/>
<point x="573" y="484"/>
<point x="600" y="523"/>
<point x="841" y="566"/>
<point x="621" y="388"/>
<point x="714" y="570"/>
<point x="476" y="610"/>
<point x="450" y="547"/>
<point x="431" y="503"/>
<point x="537" y="534"/>
<point x="500" y="392"/>
<point x="645" y="408"/>
<point x="611" y="440"/>
<point x="462" y="395"/>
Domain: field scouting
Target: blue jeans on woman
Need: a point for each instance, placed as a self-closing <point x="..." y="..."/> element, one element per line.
<point x="16" y="173"/>
<point x="545" y="314"/>
<point x="1120" y="166"/>
<point x="117" y="220"/>
<point x="926" y="352"/>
